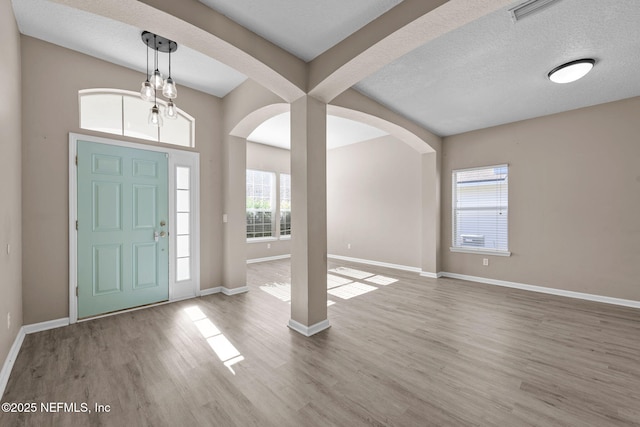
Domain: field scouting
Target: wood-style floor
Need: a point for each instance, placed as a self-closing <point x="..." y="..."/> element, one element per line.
<point x="410" y="351"/>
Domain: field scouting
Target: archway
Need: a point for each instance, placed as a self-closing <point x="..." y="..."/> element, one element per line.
<point x="424" y="144"/>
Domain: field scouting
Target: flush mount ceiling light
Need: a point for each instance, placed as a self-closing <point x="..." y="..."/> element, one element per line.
<point x="571" y="71"/>
<point x="155" y="81"/>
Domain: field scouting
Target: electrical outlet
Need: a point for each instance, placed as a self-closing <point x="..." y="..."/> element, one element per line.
<point x="225" y="218"/>
<point x="348" y="245"/>
<point x="485" y="261"/>
<point x="268" y="245"/>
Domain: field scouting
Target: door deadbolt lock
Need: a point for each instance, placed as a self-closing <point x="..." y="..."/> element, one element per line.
<point x="162" y="223"/>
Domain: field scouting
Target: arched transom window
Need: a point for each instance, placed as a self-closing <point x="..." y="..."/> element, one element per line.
<point x="122" y="112"/>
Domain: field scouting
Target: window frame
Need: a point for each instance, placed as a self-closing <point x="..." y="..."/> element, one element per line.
<point x="127" y="93"/>
<point x="280" y="210"/>
<point x="189" y="234"/>
<point x="454" y="210"/>
<point x="274" y="210"/>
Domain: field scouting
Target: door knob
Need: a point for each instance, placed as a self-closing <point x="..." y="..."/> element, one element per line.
<point x="162" y="234"/>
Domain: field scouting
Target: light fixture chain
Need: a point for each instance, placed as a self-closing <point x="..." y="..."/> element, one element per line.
<point x="147" y="62"/>
<point x="155" y="48"/>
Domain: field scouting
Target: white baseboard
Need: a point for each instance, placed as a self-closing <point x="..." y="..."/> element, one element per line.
<point x="10" y="360"/>
<point x="45" y="326"/>
<point x="344" y="258"/>
<point x="545" y="290"/>
<point x="210" y="291"/>
<point x="223" y="290"/>
<point x="7" y="367"/>
<point x="307" y="331"/>
<point x="431" y="275"/>
<point x="269" y="258"/>
<point x="235" y="291"/>
<point x="376" y="263"/>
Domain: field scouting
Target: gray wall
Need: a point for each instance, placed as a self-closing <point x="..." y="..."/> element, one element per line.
<point x="10" y="177"/>
<point x="374" y="201"/>
<point x="53" y="113"/>
<point x="273" y="159"/>
<point x="574" y="199"/>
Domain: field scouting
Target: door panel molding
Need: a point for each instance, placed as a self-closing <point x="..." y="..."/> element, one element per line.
<point x="176" y="158"/>
<point x="107" y="255"/>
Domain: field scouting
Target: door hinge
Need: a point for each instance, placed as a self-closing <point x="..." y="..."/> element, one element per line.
<point x="76" y="291"/>
<point x="76" y="160"/>
<point x="76" y="224"/>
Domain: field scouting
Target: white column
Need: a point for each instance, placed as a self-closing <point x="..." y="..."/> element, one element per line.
<point x="234" y="271"/>
<point x="308" y="216"/>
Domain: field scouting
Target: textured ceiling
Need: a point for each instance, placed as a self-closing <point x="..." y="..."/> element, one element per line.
<point x="120" y="44"/>
<point x="340" y="132"/>
<point x="494" y="71"/>
<point x="489" y="72"/>
<point x="305" y="28"/>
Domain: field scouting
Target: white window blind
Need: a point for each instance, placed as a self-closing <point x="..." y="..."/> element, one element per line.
<point x="480" y="209"/>
<point x="285" y="204"/>
<point x="260" y="203"/>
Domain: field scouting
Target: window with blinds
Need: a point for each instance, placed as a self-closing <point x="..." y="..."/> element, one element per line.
<point x="260" y="203"/>
<point x="285" y="204"/>
<point x="480" y="210"/>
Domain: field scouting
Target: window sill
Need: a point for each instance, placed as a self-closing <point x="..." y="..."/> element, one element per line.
<point x="480" y="251"/>
<point x="285" y="237"/>
<point x="261" y="239"/>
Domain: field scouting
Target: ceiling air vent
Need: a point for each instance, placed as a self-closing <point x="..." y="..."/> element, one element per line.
<point x="527" y="8"/>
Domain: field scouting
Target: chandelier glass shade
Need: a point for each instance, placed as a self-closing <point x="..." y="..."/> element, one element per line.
<point x="147" y="92"/>
<point x="171" y="112"/>
<point x="169" y="89"/>
<point x="155" y="119"/>
<point x="156" y="80"/>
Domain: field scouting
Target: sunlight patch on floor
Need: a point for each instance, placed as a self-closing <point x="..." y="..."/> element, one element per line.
<point x="195" y="313"/>
<point x="351" y="290"/>
<point x="337" y="285"/>
<point x="282" y="291"/>
<point x="334" y="281"/>
<point x="381" y="280"/>
<point x="351" y="272"/>
<point x="220" y="344"/>
<point x="206" y="327"/>
<point x="229" y="363"/>
<point x="223" y="347"/>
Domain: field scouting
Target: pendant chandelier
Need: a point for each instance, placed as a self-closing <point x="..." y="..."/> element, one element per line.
<point x="155" y="82"/>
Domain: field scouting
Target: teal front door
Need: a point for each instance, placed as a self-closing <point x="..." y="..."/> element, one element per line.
<point x="123" y="249"/>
